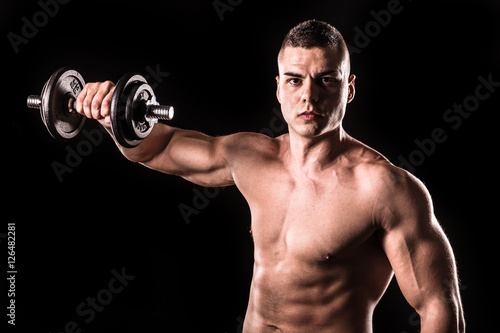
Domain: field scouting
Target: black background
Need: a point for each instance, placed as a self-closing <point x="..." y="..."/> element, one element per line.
<point x="109" y="213"/>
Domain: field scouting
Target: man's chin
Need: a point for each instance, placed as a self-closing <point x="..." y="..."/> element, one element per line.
<point x="312" y="130"/>
<point x="308" y="130"/>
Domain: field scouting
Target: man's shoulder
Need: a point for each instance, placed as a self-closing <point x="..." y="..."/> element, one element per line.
<point x="243" y="145"/>
<point x="368" y="162"/>
<point x="378" y="172"/>
<point x="395" y="193"/>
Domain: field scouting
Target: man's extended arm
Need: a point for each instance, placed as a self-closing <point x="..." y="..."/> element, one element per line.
<point x="194" y="156"/>
<point x="420" y="255"/>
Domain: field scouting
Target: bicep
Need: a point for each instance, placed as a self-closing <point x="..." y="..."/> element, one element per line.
<point x="194" y="156"/>
<point x="423" y="264"/>
<point x="418" y="249"/>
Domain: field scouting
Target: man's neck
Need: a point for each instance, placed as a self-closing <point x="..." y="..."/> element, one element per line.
<point x="316" y="152"/>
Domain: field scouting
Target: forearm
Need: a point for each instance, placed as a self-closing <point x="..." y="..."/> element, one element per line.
<point x="196" y="157"/>
<point x="152" y="145"/>
<point x="443" y="316"/>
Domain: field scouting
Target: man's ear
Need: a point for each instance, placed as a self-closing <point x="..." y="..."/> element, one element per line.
<point x="278" y="88"/>
<point x="352" y="89"/>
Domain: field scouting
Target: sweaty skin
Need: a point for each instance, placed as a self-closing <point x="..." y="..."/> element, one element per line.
<point x="332" y="219"/>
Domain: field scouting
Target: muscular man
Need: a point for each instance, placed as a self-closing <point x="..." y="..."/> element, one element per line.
<point x="332" y="219"/>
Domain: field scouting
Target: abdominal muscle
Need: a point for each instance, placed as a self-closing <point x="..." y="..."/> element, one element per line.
<point x="329" y="295"/>
<point x="281" y="302"/>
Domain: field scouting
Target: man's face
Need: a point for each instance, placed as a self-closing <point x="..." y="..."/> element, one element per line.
<point x="314" y="87"/>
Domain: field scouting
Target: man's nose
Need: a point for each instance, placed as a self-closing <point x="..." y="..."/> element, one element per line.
<point x="310" y="91"/>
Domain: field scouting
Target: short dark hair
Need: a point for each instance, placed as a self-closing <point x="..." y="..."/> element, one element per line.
<point x="312" y="33"/>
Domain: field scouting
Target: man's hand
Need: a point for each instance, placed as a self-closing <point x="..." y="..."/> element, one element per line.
<point x="94" y="101"/>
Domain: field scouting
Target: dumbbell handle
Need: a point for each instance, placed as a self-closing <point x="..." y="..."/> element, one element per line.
<point x="153" y="110"/>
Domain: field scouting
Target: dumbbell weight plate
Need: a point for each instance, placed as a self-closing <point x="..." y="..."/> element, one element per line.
<point x="135" y="113"/>
<point x="128" y="123"/>
<point x="62" y="85"/>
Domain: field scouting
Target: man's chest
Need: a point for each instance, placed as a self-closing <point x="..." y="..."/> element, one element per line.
<point x="307" y="219"/>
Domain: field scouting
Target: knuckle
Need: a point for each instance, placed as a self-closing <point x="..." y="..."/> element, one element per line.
<point x="106" y="107"/>
<point x="87" y="112"/>
<point x="108" y="84"/>
<point x="89" y="86"/>
<point x="96" y="106"/>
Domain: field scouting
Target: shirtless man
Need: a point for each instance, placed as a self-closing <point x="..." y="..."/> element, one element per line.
<point x="332" y="219"/>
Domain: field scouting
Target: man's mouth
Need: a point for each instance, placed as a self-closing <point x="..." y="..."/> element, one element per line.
<point x="309" y="115"/>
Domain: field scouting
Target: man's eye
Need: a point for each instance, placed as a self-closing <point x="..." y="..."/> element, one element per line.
<point x="293" y="81"/>
<point x="328" y="80"/>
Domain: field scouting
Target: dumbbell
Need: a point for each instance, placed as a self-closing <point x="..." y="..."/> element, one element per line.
<point x="56" y="104"/>
<point x="134" y="109"/>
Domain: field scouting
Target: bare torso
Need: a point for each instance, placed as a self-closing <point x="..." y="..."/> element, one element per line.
<point x="319" y="266"/>
<point x="331" y="218"/>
